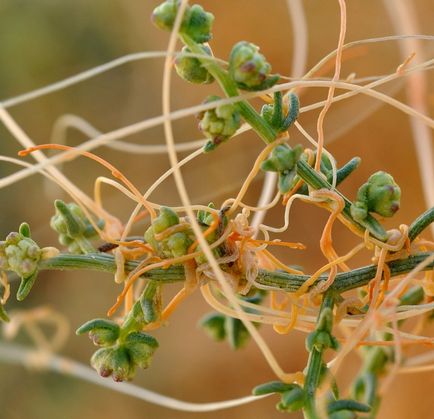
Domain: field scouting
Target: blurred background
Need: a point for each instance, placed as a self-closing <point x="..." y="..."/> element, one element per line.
<point x="43" y="41"/>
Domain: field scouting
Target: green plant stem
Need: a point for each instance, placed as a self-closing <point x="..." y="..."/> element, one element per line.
<point x="289" y="282"/>
<point x="420" y="223"/>
<point x="262" y="128"/>
<point x="316" y="181"/>
<point x="315" y="365"/>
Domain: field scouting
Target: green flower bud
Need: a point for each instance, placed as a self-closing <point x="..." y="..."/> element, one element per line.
<point x="214" y="326"/>
<point x="380" y="194"/>
<point x="178" y="244"/>
<point x="73" y="227"/>
<point x="219" y="123"/>
<point x="283" y="160"/>
<point x="164" y="15"/>
<point x="101" y="361"/>
<point x="191" y="69"/>
<point x="320" y="340"/>
<point x="292" y="400"/>
<point x="165" y="219"/>
<point x="249" y="69"/>
<point x="19" y="254"/>
<point x="123" y="368"/>
<point x="141" y="348"/>
<point x="196" y="23"/>
<point x="101" y="331"/>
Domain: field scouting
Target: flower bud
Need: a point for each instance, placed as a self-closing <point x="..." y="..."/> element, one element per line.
<point x="141" y="348"/>
<point x="101" y="331"/>
<point x="249" y="69"/>
<point x="380" y="194"/>
<point x="283" y="160"/>
<point x="191" y="69"/>
<point x="219" y="123"/>
<point x="73" y="227"/>
<point x="178" y="244"/>
<point x="165" y="219"/>
<point x="101" y="361"/>
<point x="196" y="23"/>
<point x="123" y="368"/>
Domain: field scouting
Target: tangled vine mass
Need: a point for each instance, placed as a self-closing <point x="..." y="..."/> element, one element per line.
<point x="218" y="252"/>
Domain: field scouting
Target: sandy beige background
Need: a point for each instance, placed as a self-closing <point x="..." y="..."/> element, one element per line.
<point x="42" y="41"/>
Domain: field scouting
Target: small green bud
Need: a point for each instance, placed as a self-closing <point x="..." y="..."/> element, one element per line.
<point x="219" y="123"/>
<point x="19" y="254"/>
<point x="178" y="244"/>
<point x="123" y="368"/>
<point x="101" y="361"/>
<point x="164" y="15"/>
<point x="101" y="331"/>
<point x="292" y="400"/>
<point x="141" y="348"/>
<point x="380" y="194"/>
<point x="167" y="218"/>
<point x="73" y="227"/>
<point x="249" y="69"/>
<point x="196" y="23"/>
<point x="214" y="326"/>
<point x="191" y="69"/>
<point x="283" y="160"/>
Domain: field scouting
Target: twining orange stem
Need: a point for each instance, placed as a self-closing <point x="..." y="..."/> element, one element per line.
<point x="115" y="172"/>
<point x="299" y="246"/>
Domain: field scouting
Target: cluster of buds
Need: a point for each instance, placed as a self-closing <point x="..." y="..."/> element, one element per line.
<point x="20" y="254"/>
<point x="121" y="351"/>
<point x="283" y="160"/>
<point x="196" y="22"/>
<point x="74" y="228"/>
<point x="172" y="245"/>
<point x="249" y="68"/>
<point x="380" y="195"/>
<point x="219" y="124"/>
